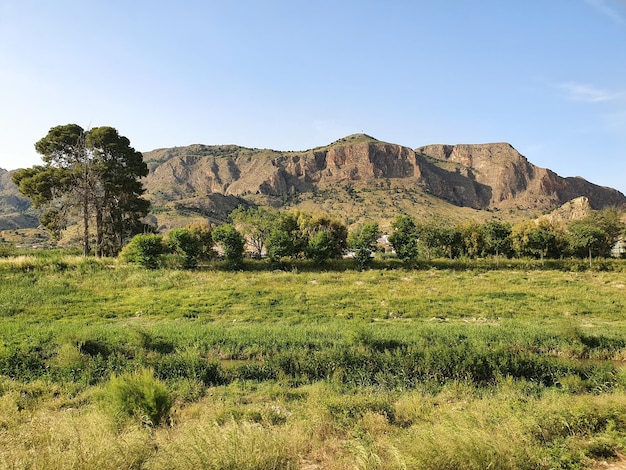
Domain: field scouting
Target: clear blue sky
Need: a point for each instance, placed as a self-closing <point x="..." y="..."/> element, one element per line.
<point x="547" y="76"/>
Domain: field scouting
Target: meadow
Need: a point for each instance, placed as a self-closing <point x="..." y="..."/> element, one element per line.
<point x="448" y="366"/>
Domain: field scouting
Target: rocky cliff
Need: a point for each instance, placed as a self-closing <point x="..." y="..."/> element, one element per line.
<point x="486" y="176"/>
<point x="201" y="170"/>
<point x="514" y="181"/>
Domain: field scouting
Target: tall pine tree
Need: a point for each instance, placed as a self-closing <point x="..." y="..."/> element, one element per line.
<point x="91" y="177"/>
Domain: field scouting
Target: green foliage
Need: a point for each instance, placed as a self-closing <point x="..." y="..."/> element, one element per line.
<point x="256" y="225"/>
<point x="138" y="395"/>
<point x="203" y="233"/>
<point x="595" y="235"/>
<point x="587" y="239"/>
<point x="538" y="239"/>
<point x="320" y="247"/>
<point x="232" y="243"/>
<point x="54" y="221"/>
<point x="286" y="238"/>
<point x="473" y="238"/>
<point x="496" y="236"/>
<point x="144" y="250"/>
<point x="362" y="241"/>
<point x="185" y="244"/>
<point x="327" y="236"/>
<point x="610" y="220"/>
<point x="427" y="234"/>
<point x="93" y="175"/>
<point x="449" y="240"/>
<point x="404" y="238"/>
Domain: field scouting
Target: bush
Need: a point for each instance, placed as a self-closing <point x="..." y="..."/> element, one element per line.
<point x="139" y="395"/>
<point x="144" y="250"/>
<point x="185" y="244"/>
<point x="232" y="243"/>
<point x="188" y="365"/>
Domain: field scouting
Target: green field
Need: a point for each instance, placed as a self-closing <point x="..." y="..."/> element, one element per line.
<point x="459" y="366"/>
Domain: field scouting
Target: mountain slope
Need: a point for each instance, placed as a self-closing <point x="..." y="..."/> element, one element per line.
<point x="514" y="181"/>
<point x="13" y="207"/>
<point x="360" y="177"/>
<point x="356" y="178"/>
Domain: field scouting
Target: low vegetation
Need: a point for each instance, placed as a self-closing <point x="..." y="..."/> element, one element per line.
<point x="455" y="364"/>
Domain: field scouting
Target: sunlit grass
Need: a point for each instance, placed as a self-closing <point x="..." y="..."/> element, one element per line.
<point x="428" y="368"/>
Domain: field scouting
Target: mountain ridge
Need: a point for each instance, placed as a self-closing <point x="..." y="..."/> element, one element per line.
<point x="357" y="177"/>
<point x="482" y="177"/>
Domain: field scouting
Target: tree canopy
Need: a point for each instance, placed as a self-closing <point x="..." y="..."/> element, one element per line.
<point x="91" y="177"/>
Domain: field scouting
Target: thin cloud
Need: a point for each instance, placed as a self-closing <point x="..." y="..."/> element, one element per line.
<point x="605" y="7"/>
<point x="589" y="93"/>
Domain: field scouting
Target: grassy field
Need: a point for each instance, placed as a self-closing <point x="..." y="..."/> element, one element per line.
<point x="105" y="365"/>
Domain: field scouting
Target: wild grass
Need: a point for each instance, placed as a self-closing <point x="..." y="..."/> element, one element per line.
<point x="426" y="368"/>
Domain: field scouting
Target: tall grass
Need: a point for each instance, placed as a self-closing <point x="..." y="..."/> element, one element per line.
<point x="427" y="368"/>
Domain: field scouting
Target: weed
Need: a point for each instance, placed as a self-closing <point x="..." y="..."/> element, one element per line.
<point x="138" y="395"/>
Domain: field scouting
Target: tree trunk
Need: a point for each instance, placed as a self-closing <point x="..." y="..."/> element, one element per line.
<point x="86" y="224"/>
<point x="99" y="233"/>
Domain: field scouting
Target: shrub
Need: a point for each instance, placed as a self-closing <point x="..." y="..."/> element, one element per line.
<point x="139" y="395"/>
<point x="347" y="408"/>
<point x="144" y="250"/>
<point x="232" y="243"/>
<point x="188" y="365"/>
<point x="363" y="242"/>
<point x="185" y="244"/>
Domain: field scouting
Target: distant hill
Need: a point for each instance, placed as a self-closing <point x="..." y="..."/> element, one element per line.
<point x="14" y="212"/>
<point x="356" y="178"/>
<point x="359" y="177"/>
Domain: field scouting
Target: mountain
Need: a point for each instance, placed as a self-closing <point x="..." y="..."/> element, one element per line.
<point x="13" y="207"/>
<point x="576" y="209"/>
<point x="359" y="177"/>
<point x="514" y="181"/>
<point x="356" y="177"/>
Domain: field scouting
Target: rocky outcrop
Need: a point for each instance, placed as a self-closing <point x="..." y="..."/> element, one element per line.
<point x="515" y="182"/>
<point x="10" y="199"/>
<point x="13" y="206"/>
<point x="576" y="209"/>
<point x="240" y="172"/>
<point x="485" y="176"/>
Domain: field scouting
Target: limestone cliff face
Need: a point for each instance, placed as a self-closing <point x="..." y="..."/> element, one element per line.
<point x="515" y="182"/>
<point x="576" y="209"/>
<point x="369" y="160"/>
<point x="498" y="166"/>
<point x="199" y="170"/>
<point x="210" y="181"/>
<point x="485" y="176"/>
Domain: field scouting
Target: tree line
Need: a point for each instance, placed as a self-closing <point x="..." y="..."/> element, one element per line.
<point x="257" y="232"/>
<point x="262" y="232"/>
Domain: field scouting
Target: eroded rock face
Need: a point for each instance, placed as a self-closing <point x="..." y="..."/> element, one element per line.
<point x="482" y="176"/>
<point x="576" y="209"/>
<point x="369" y="161"/>
<point x="515" y="182"/>
<point x="241" y="172"/>
<point x="214" y="179"/>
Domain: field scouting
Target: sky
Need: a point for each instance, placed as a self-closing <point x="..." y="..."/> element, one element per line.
<point x="547" y="76"/>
